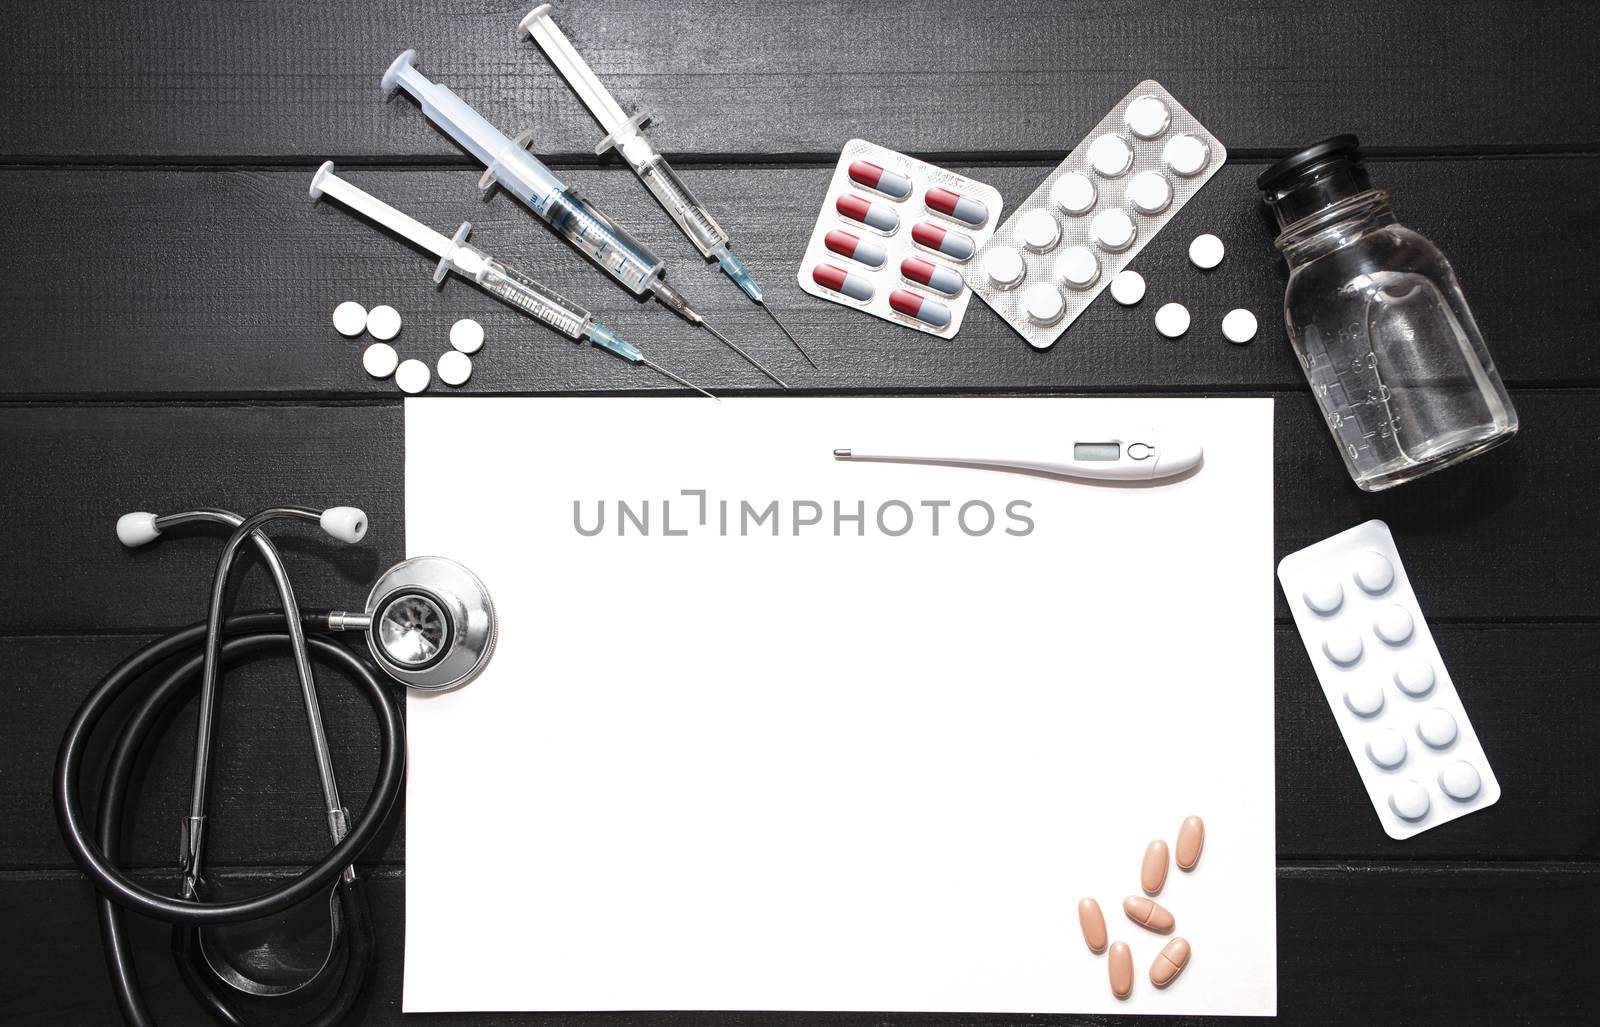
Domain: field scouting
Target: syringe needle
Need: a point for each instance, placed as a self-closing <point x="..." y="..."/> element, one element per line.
<point x="741" y="351"/>
<point x="796" y="343"/>
<point x="651" y="364"/>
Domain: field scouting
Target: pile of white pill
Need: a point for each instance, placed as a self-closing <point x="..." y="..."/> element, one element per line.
<point x="381" y="360"/>
<point x="1172" y="319"/>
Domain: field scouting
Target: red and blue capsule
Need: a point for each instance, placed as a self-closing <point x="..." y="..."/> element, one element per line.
<point x="926" y="272"/>
<point x="841" y="281"/>
<point x="942" y="240"/>
<point x="848" y="244"/>
<point x="920" y="308"/>
<point x="873" y="215"/>
<point x="953" y="205"/>
<point x="871" y="176"/>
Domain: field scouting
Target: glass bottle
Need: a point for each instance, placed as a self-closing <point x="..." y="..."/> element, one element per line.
<point x="1377" y="318"/>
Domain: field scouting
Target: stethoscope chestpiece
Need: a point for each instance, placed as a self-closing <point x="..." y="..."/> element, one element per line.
<point x="431" y="624"/>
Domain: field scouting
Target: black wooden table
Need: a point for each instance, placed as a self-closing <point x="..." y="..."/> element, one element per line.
<point x="166" y="344"/>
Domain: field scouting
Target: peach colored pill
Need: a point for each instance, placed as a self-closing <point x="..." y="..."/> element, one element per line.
<point x="1120" y="966"/>
<point x="1153" y="874"/>
<point x="1148" y="913"/>
<point x="1191" y="839"/>
<point x="1169" y="963"/>
<point x="1093" y="923"/>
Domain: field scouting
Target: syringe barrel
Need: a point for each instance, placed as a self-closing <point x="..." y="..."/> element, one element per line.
<point x="604" y="241"/>
<point x="534" y="299"/>
<point x="675" y="197"/>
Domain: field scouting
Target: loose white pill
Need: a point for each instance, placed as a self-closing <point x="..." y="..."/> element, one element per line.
<point x="1364" y="698"/>
<point x="1127" y="288"/>
<point x="1172" y="320"/>
<point x="466" y="335"/>
<point x="412" y="376"/>
<point x="1460" y="781"/>
<point x="1409" y="801"/>
<point x="1113" y="230"/>
<point x="383" y="321"/>
<point x="1437" y="727"/>
<point x="1147" y="117"/>
<point x="1149" y="192"/>
<point x="1004" y="267"/>
<point x="1239" y="326"/>
<point x="1414" y="676"/>
<point x="1078" y="266"/>
<point x="1073" y="193"/>
<point x="1324" y="596"/>
<point x="1038" y="230"/>
<point x="1110" y="155"/>
<point x="380" y="360"/>
<point x="1186" y="155"/>
<point x="1206" y="251"/>
<point x="1394" y="624"/>
<point x="350" y="318"/>
<point x="454" y="367"/>
<point x="1374" y="573"/>
<point x="1387" y="748"/>
<point x="1043" y="304"/>
<point x="1343" y="647"/>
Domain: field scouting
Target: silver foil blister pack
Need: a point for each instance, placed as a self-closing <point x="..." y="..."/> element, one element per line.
<point x="1094" y="213"/>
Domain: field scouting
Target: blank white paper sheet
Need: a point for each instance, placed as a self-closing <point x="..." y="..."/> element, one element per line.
<point x="770" y="731"/>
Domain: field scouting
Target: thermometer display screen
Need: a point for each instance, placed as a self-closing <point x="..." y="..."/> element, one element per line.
<point x="1096" y="451"/>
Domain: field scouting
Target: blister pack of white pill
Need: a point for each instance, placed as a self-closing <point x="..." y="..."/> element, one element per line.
<point x="892" y="236"/>
<point x="1094" y="213"/>
<point x="1396" y="706"/>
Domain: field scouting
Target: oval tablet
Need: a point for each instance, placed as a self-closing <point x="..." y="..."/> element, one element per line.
<point x="1120" y="968"/>
<point x="1409" y="801"/>
<point x="922" y="308"/>
<point x="1148" y="913"/>
<point x="1110" y="155"/>
<point x="1043" y="304"/>
<point x="1364" y="698"/>
<point x="1437" y="727"/>
<point x="1078" y="267"/>
<point x="466" y="335"/>
<point x="926" y="272"/>
<point x="873" y="215"/>
<point x="952" y="204"/>
<point x="1113" y="230"/>
<point x="1127" y="288"/>
<point x="1038" y="230"/>
<point x="856" y="248"/>
<point x="1460" y="781"/>
<point x="890" y="183"/>
<point x="1394" y="624"/>
<point x="1093" y="923"/>
<point x="380" y="360"/>
<point x="1153" y="871"/>
<point x="1387" y="748"/>
<point x="350" y="318"/>
<point x="1004" y="267"/>
<point x="412" y="376"/>
<point x="1147" y="117"/>
<point x="1169" y="963"/>
<point x="1186" y="155"/>
<point x="1149" y="192"/>
<point x="1191" y="839"/>
<point x="454" y="367"/>
<point x="842" y="281"/>
<point x="1374" y="573"/>
<point x="1073" y="193"/>
<point x="1238" y="326"/>
<point x="383" y="322"/>
<point x="1172" y="320"/>
<point x="1342" y="647"/>
<point x="1324" y="596"/>
<point x="1413" y="675"/>
<point x="952" y="244"/>
<point x="1205" y="251"/>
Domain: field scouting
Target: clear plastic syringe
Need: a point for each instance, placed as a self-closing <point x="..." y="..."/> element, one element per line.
<point x="494" y="277"/>
<point x="509" y="164"/>
<point x="622" y="132"/>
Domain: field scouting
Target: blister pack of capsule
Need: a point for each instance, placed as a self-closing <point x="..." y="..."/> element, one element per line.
<point x="893" y="235"/>
<point x="1094" y="213"/>
<point x="1396" y="706"/>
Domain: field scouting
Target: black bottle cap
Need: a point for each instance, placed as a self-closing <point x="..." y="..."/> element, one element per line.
<point x="1291" y="166"/>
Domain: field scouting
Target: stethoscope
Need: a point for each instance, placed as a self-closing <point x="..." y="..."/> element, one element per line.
<point x="429" y="624"/>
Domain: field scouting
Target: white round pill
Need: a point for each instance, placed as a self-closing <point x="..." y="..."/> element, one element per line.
<point x="1043" y="304"/>
<point x="1373" y="572"/>
<point x="1186" y="155"/>
<point x="412" y="376"/>
<point x="1078" y="266"/>
<point x="1110" y="155"/>
<point x="1364" y="698"/>
<point x="1414" y="676"/>
<point x="1460" y="781"/>
<point x="1149" y="192"/>
<point x="1147" y="117"/>
<point x="454" y="367"/>
<point x="1038" y="230"/>
<point x="1073" y="193"/>
<point x="1239" y="326"/>
<point x="1003" y="266"/>
<point x="466" y="335"/>
<point x="383" y="321"/>
<point x="1394" y="624"/>
<point x="1324" y="596"/>
<point x="1343" y="647"/>
<point x="350" y="318"/>
<point x="1386" y="747"/>
<point x="1437" y="727"/>
<point x="380" y="360"/>
<point x="1206" y="251"/>
<point x="1127" y="288"/>
<point x="1409" y="801"/>
<point x="1172" y="320"/>
<point x="1113" y="230"/>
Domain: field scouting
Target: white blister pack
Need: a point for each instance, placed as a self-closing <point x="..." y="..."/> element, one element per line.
<point x="893" y="235"/>
<point x="1394" y="701"/>
<point x="1094" y="213"/>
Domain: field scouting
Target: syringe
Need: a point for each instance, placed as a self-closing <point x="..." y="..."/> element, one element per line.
<point x="495" y="278"/>
<point x="622" y="132"/>
<point x="526" y="177"/>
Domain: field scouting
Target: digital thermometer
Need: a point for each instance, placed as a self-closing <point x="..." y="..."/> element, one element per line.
<point x="1144" y="457"/>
